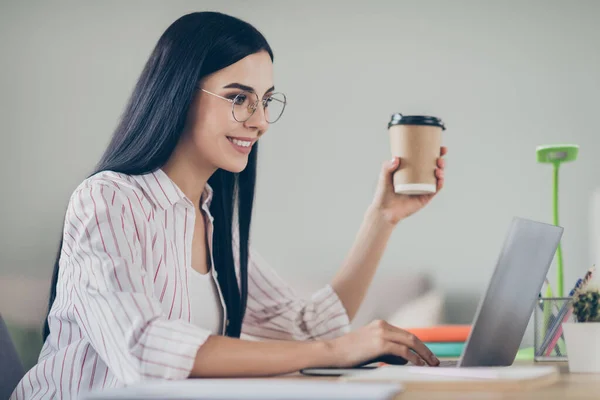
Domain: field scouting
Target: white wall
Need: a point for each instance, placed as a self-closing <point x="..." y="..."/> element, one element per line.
<point x="504" y="76"/>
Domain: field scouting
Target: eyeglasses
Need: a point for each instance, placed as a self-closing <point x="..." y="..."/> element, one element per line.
<point x="244" y="105"/>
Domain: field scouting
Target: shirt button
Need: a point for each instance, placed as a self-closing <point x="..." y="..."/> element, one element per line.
<point x="227" y="323"/>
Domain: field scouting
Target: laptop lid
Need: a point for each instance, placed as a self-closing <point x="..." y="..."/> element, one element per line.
<point x="505" y="310"/>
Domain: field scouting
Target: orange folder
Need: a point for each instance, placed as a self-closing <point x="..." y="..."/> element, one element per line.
<point x="442" y="333"/>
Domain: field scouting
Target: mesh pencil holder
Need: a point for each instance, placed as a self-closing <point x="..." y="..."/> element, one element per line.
<point x="548" y="315"/>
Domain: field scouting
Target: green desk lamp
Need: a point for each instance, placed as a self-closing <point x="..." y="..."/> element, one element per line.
<point x="556" y="154"/>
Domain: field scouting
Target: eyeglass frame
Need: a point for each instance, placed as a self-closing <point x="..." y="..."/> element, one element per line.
<point x="253" y="106"/>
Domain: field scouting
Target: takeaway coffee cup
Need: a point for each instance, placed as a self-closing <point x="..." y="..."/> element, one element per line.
<point x="416" y="140"/>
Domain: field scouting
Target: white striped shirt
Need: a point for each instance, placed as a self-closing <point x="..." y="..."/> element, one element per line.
<point x="122" y="310"/>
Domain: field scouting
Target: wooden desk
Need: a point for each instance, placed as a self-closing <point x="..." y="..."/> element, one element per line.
<point x="570" y="386"/>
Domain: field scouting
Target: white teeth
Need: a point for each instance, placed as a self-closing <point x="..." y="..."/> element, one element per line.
<point x="241" y="142"/>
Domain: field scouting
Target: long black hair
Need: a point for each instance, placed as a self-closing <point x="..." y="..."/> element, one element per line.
<point x="191" y="48"/>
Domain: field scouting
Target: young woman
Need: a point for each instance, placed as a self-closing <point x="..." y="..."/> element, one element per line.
<point x="155" y="277"/>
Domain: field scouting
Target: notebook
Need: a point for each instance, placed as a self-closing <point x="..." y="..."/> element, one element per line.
<point x="251" y="389"/>
<point x="467" y="378"/>
<point x="442" y="333"/>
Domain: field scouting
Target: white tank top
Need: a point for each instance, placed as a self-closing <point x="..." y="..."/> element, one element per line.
<point x="205" y="302"/>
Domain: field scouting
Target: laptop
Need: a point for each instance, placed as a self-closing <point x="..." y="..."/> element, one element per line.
<point x="504" y="311"/>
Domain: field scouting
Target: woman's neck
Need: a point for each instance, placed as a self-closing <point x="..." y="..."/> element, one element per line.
<point x="190" y="177"/>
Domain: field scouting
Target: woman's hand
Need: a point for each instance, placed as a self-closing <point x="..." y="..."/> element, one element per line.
<point x="377" y="339"/>
<point x="395" y="207"/>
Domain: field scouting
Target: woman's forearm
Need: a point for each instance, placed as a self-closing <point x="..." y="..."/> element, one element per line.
<point x="354" y="277"/>
<point x="221" y="357"/>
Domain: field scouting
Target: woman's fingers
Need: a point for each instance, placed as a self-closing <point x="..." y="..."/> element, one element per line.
<point x="441" y="163"/>
<point x="404" y="352"/>
<point x="409" y="340"/>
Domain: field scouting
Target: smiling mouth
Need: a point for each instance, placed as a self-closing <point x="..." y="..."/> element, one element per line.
<point x="241" y="143"/>
<point x="241" y="146"/>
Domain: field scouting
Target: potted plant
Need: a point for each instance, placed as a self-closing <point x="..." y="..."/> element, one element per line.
<point x="582" y="337"/>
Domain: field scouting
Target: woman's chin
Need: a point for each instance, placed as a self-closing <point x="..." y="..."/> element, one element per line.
<point x="235" y="166"/>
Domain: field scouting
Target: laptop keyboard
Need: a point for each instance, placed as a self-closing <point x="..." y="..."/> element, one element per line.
<point x="448" y="363"/>
<point x="443" y="363"/>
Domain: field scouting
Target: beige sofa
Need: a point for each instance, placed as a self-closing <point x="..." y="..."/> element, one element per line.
<point x="403" y="298"/>
<point x="23" y="305"/>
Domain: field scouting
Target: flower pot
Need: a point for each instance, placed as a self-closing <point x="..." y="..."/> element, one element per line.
<point x="583" y="346"/>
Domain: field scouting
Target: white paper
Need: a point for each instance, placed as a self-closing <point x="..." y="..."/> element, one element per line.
<point x="251" y="389"/>
<point x="452" y="374"/>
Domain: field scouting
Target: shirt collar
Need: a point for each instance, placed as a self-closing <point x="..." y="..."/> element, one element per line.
<point x="207" y="195"/>
<point x="164" y="192"/>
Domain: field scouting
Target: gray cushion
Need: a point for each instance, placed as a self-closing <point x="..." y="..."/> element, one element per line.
<point x="11" y="369"/>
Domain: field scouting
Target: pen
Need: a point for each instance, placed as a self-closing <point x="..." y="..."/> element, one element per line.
<point x="558" y="333"/>
<point x="555" y="330"/>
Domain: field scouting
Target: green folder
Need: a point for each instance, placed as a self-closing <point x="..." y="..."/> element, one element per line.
<point x="455" y="349"/>
<point x="446" y="349"/>
<point x="525" y="353"/>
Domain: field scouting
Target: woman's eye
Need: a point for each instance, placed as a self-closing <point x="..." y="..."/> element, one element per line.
<point x="240" y="99"/>
<point x="267" y="101"/>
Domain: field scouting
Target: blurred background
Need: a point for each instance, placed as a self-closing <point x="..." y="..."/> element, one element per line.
<point x="504" y="76"/>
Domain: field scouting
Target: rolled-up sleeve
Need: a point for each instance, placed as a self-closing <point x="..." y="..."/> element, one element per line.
<point x="103" y="261"/>
<point x="275" y="311"/>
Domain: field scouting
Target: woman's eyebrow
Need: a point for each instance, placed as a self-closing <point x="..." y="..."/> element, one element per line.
<point x="236" y="85"/>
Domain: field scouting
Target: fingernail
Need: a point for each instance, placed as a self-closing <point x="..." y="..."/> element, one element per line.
<point x="434" y="360"/>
